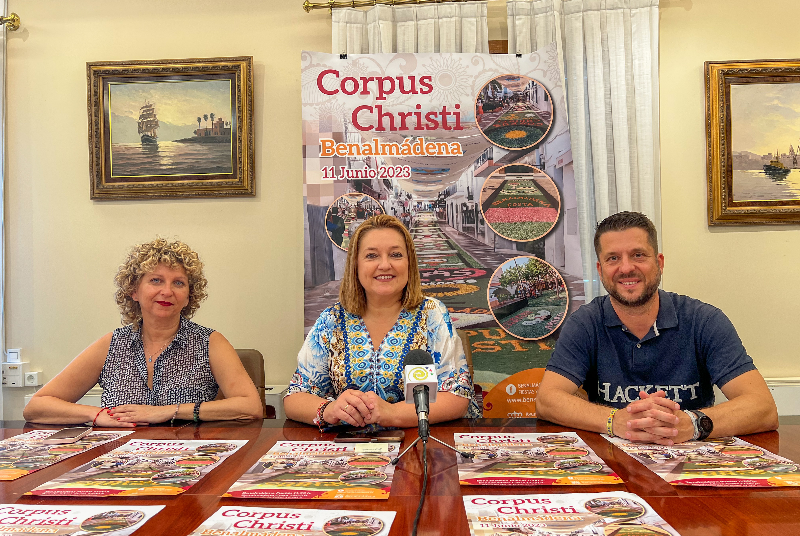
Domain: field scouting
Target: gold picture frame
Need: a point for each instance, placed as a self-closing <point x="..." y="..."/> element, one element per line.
<point x="143" y="141"/>
<point x="744" y="104"/>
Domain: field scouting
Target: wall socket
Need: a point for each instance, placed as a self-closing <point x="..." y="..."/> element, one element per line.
<point x="33" y="379"/>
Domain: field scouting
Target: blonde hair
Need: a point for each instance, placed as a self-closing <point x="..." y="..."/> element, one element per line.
<point x="351" y="292"/>
<point x="142" y="259"/>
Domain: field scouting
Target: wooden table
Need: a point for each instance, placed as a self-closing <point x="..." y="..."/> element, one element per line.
<point x="690" y="510"/>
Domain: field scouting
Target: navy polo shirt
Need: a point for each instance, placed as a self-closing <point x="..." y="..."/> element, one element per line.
<point x="692" y="347"/>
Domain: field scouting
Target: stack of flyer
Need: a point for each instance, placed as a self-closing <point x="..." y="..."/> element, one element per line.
<point x="143" y="467"/>
<point x="21" y="519"/>
<point x="25" y="453"/>
<point x="613" y="513"/>
<point x="242" y="520"/>
<point x="320" y="470"/>
<point x="726" y="462"/>
<point x="530" y="460"/>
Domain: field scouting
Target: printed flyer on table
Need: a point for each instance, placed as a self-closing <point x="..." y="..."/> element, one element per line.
<point x="25" y="453"/>
<point x="320" y="470"/>
<point x="530" y="460"/>
<point x="22" y="519"/>
<point x="612" y="513"/>
<point x="725" y="462"/>
<point x="143" y="467"/>
<point x="289" y="522"/>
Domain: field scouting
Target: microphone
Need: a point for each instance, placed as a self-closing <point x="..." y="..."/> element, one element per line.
<point x="420" y="380"/>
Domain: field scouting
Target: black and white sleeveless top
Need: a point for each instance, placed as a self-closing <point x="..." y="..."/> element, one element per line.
<point x="182" y="373"/>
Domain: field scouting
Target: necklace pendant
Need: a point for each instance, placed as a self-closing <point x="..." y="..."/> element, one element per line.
<point x="150" y="360"/>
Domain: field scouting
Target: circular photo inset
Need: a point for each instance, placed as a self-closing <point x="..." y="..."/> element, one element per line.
<point x="615" y="508"/>
<point x="215" y="448"/>
<point x="772" y="466"/>
<point x="111" y="521"/>
<point x="361" y="477"/>
<point x="520" y="202"/>
<point x="346" y="213"/>
<point x="175" y="476"/>
<point x="528" y="298"/>
<point x="96" y="437"/>
<point x="557" y="440"/>
<point x="514" y="111"/>
<point x="354" y="525"/>
<point x="721" y="440"/>
<point x="579" y="466"/>
<point x="566" y="452"/>
<point x="634" y="529"/>
<point x="368" y="461"/>
<point x="200" y="460"/>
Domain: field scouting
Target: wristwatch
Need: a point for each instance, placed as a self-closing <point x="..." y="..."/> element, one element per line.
<point x="703" y="425"/>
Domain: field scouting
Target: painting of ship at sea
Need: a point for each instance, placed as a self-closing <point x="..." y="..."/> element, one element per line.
<point x="148" y="123"/>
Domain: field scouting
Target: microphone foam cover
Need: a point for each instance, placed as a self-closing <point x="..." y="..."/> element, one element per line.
<point x="418" y="357"/>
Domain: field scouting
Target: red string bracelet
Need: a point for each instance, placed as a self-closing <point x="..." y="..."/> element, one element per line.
<point x="94" y="422"/>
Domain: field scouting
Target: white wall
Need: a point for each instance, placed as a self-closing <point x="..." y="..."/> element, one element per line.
<point x="751" y="273"/>
<point x="63" y="249"/>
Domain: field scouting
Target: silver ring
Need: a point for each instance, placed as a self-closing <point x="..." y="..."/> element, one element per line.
<point x="347" y="406"/>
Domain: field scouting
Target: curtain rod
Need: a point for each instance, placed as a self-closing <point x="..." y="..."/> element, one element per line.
<point x="331" y="4"/>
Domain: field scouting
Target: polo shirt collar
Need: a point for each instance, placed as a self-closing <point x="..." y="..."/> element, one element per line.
<point x="666" y="318"/>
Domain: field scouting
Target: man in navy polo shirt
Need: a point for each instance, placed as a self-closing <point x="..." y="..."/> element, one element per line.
<point x="648" y="359"/>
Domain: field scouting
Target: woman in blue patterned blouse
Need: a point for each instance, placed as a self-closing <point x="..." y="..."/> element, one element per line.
<point x="160" y="366"/>
<point x="350" y="368"/>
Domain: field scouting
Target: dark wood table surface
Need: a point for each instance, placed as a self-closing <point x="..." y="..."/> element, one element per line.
<point x="690" y="510"/>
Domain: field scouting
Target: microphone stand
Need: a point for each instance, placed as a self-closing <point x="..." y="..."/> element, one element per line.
<point x="421" y="403"/>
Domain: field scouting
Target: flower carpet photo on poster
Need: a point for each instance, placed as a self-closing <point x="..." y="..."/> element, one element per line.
<point x="520" y="203"/>
<point x="514" y="111"/>
<point x="528" y="297"/>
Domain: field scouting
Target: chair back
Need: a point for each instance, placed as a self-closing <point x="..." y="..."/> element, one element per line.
<point x="253" y="363"/>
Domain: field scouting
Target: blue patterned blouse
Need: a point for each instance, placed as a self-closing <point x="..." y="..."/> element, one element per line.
<point x="338" y="355"/>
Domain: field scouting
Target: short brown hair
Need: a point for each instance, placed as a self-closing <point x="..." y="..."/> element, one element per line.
<point x="351" y="292"/>
<point x="142" y="259"/>
<point x="622" y="221"/>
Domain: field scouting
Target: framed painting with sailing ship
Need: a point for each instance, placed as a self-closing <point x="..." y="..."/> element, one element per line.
<point x="753" y="141"/>
<point x="171" y="128"/>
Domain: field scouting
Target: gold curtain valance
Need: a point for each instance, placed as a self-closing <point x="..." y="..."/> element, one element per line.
<point x="331" y="4"/>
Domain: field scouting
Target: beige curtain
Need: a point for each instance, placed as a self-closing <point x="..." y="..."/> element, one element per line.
<point x="609" y="55"/>
<point x="445" y="27"/>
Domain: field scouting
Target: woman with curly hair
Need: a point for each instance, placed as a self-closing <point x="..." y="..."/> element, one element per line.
<point x="350" y="368"/>
<point x="160" y="366"/>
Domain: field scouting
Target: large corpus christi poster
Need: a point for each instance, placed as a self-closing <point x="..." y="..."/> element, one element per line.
<point x="472" y="153"/>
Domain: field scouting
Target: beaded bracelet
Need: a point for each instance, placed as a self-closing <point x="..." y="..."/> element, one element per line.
<point x="610" y="423"/>
<point x="196" y="412"/>
<point x="172" y="420"/>
<point x="94" y="421"/>
<point x="320" y="420"/>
